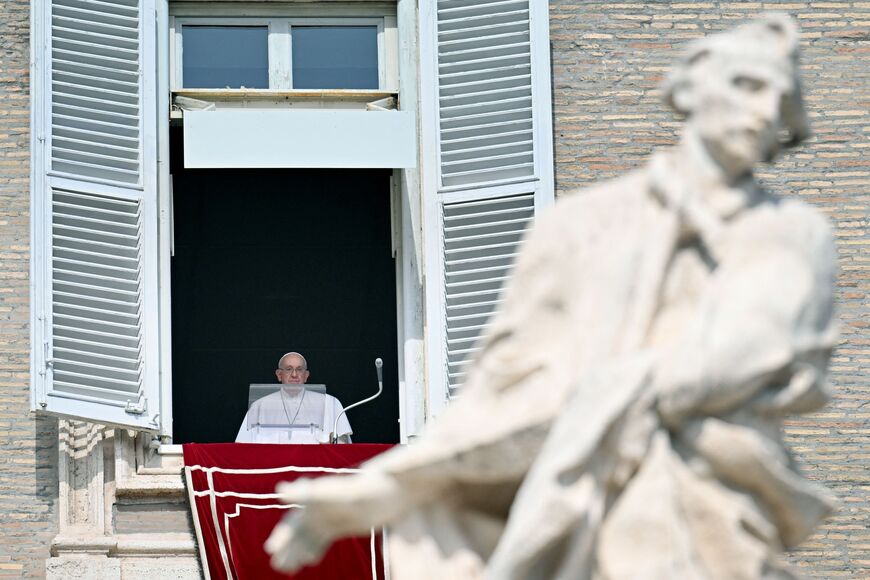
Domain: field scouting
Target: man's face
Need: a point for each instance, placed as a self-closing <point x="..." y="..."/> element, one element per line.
<point x="738" y="112"/>
<point x="292" y="371"/>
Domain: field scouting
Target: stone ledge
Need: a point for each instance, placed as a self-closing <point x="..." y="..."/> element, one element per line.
<point x="82" y="545"/>
<point x="155" y="545"/>
<point x="126" y="545"/>
<point x="154" y="485"/>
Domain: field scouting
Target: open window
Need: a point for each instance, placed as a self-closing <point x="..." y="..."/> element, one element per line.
<point x="276" y="131"/>
<point x="283" y="227"/>
<point x="270" y="260"/>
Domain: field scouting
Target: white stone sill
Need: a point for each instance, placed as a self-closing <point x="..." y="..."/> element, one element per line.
<point x="126" y="545"/>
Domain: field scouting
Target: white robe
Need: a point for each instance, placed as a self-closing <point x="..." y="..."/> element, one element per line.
<point x="313" y="416"/>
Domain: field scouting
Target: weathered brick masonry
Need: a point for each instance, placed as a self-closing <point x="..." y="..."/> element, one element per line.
<point x="28" y="447"/>
<point x="608" y="60"/>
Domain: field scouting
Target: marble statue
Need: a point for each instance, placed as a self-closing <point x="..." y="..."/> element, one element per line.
<point x="623" y="419"/>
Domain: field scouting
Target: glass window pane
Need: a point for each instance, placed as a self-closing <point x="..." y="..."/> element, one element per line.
<point x="335" y="57"/>
<point x="218" y="57"/>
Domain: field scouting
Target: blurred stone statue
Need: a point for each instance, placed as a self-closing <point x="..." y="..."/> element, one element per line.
<point x="624" y="417"/>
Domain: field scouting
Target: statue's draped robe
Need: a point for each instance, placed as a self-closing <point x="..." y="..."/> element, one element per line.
<point x="615" y="311"/>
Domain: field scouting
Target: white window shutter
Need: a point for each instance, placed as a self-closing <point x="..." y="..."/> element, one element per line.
<point x="94" y="218"/>
<point x="487" y="141"/>
<point x="480" y="242"/>
<point x="484" y="61"/>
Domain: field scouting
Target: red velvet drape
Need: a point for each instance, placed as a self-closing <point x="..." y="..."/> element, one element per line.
<point x="231" y="487"/>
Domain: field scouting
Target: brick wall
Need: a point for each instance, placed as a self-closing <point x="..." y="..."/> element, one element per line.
<point x="608" y="60"/>
<point x="28" y="447"/>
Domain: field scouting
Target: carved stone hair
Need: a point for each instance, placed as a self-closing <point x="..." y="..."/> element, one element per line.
<point x="771" y="39"/>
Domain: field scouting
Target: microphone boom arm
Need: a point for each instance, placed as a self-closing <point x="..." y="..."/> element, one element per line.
<point x="379" y="365"/>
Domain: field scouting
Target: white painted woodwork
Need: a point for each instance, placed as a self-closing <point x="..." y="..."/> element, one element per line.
<point x="409" y="261"/>
<point x="487" y="137"/>
<point x="94" y="221"/>
<point x="95" y="89"/>
<point x="299" y="138"/>
<point x="164" y="205"/>
<point x="481" y="239"/>
<point x="484" y="91"/>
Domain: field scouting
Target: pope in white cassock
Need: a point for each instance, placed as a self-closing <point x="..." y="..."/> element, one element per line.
<point x="293" y="414"/>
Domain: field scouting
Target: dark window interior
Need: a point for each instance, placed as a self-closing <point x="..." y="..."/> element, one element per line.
<point x="268" y="261"/>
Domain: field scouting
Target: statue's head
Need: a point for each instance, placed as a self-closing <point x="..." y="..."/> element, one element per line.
<point x="740" y="92"/>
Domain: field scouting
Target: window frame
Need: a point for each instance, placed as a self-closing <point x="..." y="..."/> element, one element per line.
<point x="280" y="43"/>
<point x="387" y="16"/>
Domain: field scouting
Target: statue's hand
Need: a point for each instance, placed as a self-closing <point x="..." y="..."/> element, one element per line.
<point x="301" y="537"/>
<point x="332" y="508"/>
<point x="292" y="545"/>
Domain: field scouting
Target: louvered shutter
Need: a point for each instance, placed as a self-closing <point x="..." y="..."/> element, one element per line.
<point x="94" y="238"/>
<point x="484" y="91"/>
<point x="487" y="139"/>
<point x="480" y="243"/>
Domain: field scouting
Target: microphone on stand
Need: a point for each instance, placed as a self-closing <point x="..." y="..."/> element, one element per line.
<point x="379" y="367"/>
